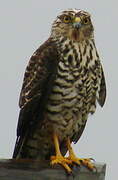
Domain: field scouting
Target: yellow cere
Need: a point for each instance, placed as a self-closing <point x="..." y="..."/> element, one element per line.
<point x="77" y="19"/>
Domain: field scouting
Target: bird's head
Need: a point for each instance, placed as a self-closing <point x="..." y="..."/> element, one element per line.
<point x="73" y="24"/>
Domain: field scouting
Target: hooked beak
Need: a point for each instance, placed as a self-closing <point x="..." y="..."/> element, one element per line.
<point x="77" y="23"/>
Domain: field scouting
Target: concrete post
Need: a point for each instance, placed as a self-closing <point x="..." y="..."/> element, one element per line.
<point x="38" y="170"/>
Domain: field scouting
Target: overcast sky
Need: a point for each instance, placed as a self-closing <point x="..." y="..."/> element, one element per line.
<point x="24" y="26"/>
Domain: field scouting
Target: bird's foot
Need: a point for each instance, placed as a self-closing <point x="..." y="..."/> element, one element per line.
<point x="59" y="159"/>
<point x="75" y="160"/>
<point x="85" y="162"/>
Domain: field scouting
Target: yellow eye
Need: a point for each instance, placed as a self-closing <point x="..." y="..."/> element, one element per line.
<point x="86" y="20"/>
<point x="67" y="19"/>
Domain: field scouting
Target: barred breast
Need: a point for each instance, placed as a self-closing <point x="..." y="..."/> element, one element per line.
<point x="75" y="88"/>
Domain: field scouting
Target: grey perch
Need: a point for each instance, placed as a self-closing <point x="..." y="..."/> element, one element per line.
<point x="41" y="170"/>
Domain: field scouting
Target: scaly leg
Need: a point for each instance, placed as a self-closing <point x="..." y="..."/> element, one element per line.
<point x="59" y="159"/>
<point x="76" y="160"/>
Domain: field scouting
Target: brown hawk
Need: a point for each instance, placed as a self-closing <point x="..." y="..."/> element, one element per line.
<point x="62" y="82"/>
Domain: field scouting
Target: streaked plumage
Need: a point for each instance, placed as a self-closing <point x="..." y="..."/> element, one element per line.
<point x="62" y="82"/>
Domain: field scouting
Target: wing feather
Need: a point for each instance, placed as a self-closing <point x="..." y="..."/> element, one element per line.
<point x="38" y="81"/>
<point x="102" y="92"/>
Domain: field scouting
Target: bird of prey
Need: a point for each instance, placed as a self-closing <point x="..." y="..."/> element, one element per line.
<point x="62" y="84"/>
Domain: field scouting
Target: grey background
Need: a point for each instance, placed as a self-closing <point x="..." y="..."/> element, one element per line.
<point x="24" y="25"/>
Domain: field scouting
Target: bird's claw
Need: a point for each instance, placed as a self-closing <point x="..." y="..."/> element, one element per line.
<point x="85" y="162"/>
<point x="88" y="163"/>
<point x="62" y="161"/>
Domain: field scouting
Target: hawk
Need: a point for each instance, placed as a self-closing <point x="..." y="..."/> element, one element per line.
<point x="62" y="84"/>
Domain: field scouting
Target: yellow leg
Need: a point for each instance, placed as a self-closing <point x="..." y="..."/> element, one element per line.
<point x="59" y="159"/>
<point x="76" y="160"/>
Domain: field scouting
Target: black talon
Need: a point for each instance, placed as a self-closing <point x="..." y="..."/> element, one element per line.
<point x="92" y="159"/>
<point x="95" y="169"/>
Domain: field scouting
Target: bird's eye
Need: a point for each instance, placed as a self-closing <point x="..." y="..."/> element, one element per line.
<point x="67" y="19"/>
<point x="86" y="20"/>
